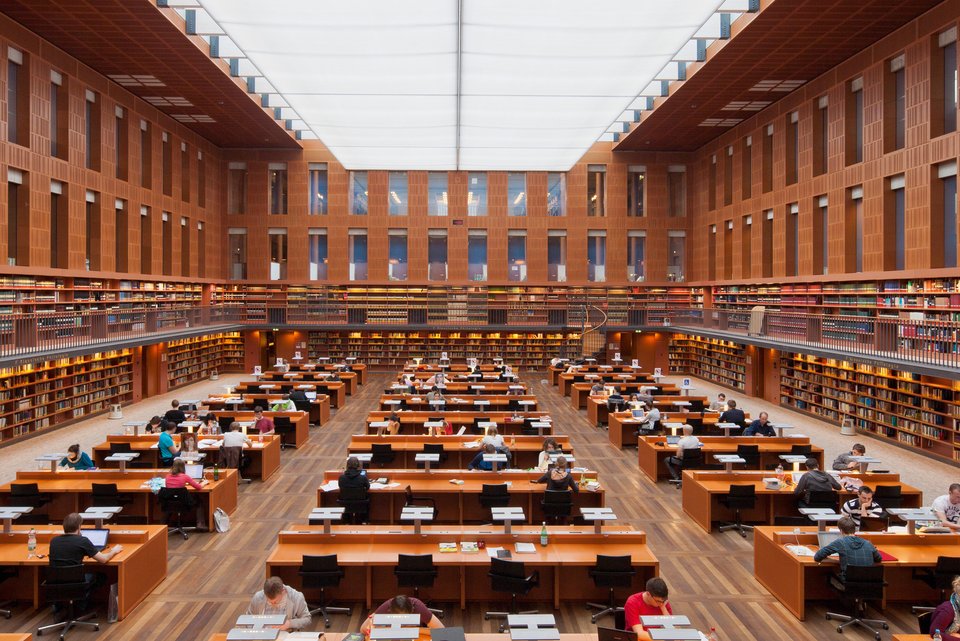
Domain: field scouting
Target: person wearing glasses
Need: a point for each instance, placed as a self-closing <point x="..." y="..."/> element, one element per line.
<point x="651" y="602"/>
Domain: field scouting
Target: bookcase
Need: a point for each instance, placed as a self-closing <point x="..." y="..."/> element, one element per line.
<point x="40" y="396"/>
<point x="193" y="359"/>
<point x="721" y="362"/>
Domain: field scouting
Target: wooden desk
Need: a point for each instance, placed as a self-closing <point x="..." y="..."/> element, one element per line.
<point x="598" y="414"/>
<point x="458" y="504"/>
<point x="581" y="392"/>
<point x="359" y="369"/>
<point x="554" y="371"/>
<point x="424" y="636"/>
<point x="336" y="390"/>
<point x="795" y="580"/>
<point x="16" y="636"/>
<point x="319" y="407"/>
<point x="460" y="402"/>
<point x="901" y="637"/>
<point x="349" y="379"/>
<point x="702" y="490"/>
<point x="412" y="422"/>
<point x="490" y="388"/>
<point x="137" y="570"/>
<point x="525" y="452"/>
<point x="368" y="554"/>
<point x="264" y="457"/>
<point x="71" y="491"/>
<point x="652" y="451"/>
<point x="566" y="382"/>
<point x="299" y="420"/>
<point x="622" y="426"/>
<point x="453" y="367"/>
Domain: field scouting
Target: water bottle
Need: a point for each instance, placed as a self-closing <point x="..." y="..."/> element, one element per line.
<point x="937" y="636"/>
<point x="31" y="542"/>
<point x="780" y="475"/>
<point x="216" y="472"/>
<point x="544" y="539"/>
<point x="713" y="635"/>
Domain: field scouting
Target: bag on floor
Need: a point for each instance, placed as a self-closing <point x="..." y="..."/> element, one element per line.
<point x="221" y="520"/>
<point x="113" y="605"/>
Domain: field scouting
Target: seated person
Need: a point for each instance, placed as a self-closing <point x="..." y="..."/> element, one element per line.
<point x="494" y="438"/>
<point x="401" y="604"/>
<point x="478" y="463"/>
<point x="733" y="414"/>
<point x="179" y="478"/>
<point x="814" y="479"/>
<point x="277" y="598"/>
<point x="687" y="442"/>
<point x="445" y="430"/>
<point x="174" y="414"/>
<point x="76" y="460"/>
<point x="550" y="446"/>
<point x="760" y="427"/>
<point x="720" y="404"/>
<point x="947" y="615"/>
<point x="615" y="401"/>
<point x="947" y="508"/>
<point x="153" y="427"/>
<point x="334" y="376"/>
<point x="209" y="426"/>
<point x="851" y="549"/>
<point x="188" y="443"/>
<point x="559" y="477"/>
<point x="70" y="548"/>
<point x="167" y="450"/>
<point x="597" y="388"/>
<point x="298" y="396"/>
<point x="261" y="423"/>
<point x="284" y="405"/>
<point x="652" y="602"/>
<point x="862" y="506"/>
<point x="640" y="398"/>
<point x="392" y="427"/>
<point x="234" y="437"/>
<point x="649" y="421"/>
<point x="843" y="462"/>
<point x="435" y="395"/>
<point x="353" y="476"/>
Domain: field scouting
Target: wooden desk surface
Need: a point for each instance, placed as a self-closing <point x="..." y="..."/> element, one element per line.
<point x="300" y="421"/>
<point x="414" y="420"/>
<point x="458" y="402"/>
<point x="403" y="442"/>
<point x="336" y="390"/>
<point x="653" y="450"/>
<point x="566" y="382"/>
<point x="319" y="407"/>
<point x="18" y="636"/>
<point x="424" y="636"/>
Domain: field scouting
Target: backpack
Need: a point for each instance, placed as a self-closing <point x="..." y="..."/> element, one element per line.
<point x="221" y="520"/>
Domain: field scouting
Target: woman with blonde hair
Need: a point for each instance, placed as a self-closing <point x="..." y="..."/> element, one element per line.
<point x="559" y="478"/>
<point x="946" y="617"/>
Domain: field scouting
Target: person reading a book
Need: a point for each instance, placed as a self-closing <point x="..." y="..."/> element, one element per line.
<point x="402" y="604"/>
<point x="652" y="602"/>
<point x="76" y="460"/>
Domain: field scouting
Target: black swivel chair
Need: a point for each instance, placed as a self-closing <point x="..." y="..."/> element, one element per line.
<point x="67" y="585"/>
<point x="28" y="495"/>
<point x="174" y="503"/>
<point x="283" y="427"/>
<point x="476" y="424"/>
<point x="7" y="573"/>
<point x="940" y="576"/>
<point x="805" y="450"/>
<point x="125" y="448"/>
<point x="320" y="573"/>
<point x="751" y="456"/>
<point x="303" y="406"/>
<point x="610" y="572"/>
<point x="557" y="505"/>
<point x="692" y="460"/>
<point x="820" y="498"/>
<point x="106" y="495"/>
<point x="421" y="501"/>
<point x="433" y="448"/>
<point x="383" y="454"/>
<point x="889" y="496"/>
<point x="740" y="497"/>
<point x="510" y="577"/>
<point x="356" y="503"/>
<point x="417" y="571"/>
<point x="494" y="495"/>
<point x="861" y="583"/>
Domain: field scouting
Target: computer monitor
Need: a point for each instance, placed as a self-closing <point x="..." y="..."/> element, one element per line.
<point x="613" y="634"/>
<point x="98" y="537"/>
<point x="827" y="537"/>
<point x="194" y="471"/>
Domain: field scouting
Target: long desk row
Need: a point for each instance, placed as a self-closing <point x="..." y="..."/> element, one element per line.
<point x="582" y="391"/>
<point x="566" y="382"/>
<point x="623" y="427"/>
<point x="598" y="411"/>
<point x="554" y="371"/>
<point x="452" y="403"/>
<point x="412" y="422"/>
<point x="335" y="390"/>
<point x="357" y="368"/>
<point x="349" y="379"/>
<point x="319" y="407"/>
<point x="460" y="450"/>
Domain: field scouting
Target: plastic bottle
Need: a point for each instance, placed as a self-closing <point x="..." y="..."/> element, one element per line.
<point x="31" y="541"/>
<point x="937" y="636"/>
<point x="780" y="475"/>
<point x="544" y="539"/>
<point x="713" y="635"/>
<point x="216" y="472"/>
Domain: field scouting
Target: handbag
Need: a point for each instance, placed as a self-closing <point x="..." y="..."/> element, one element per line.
<point x="221" y="520"/>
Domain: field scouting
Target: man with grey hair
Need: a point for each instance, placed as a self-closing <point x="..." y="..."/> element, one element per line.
<point x="277" y="598"/>
<point x="687" y="442"/>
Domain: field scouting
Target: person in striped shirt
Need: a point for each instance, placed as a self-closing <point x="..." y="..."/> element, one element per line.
<point x="862" y="506"/>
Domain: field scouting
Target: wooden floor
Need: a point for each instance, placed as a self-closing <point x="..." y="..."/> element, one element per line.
<point x="212" y="576"/>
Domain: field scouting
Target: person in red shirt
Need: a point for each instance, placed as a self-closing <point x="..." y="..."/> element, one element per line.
<point x="652" y="602"/>
<point x="179" y="478"/>
<point x="261" y="423"/>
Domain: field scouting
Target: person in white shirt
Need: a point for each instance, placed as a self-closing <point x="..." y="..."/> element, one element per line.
<point x="719" y="405"/>
<point x="947" y="508"/>
<point x="234" y="437"/>
<point x="493" y="438"/>
<point x="649" y="420"/>
<point x="687" y="442"/>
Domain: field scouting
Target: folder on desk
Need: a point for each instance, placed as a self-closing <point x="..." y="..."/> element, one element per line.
<point x="884" y="557"/>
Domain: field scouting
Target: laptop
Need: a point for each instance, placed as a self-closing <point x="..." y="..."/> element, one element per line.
<point x="827" y="537"/>
<point x="673" y="440"/>
<point x="98" y="537"/>
<point x="194" y="471"/>
<point x="637" y="413"/>
<point x="311" y="396"/>
<point x="612" y="634"/>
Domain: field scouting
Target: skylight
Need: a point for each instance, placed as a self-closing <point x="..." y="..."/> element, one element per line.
<point x="458" y="84"/>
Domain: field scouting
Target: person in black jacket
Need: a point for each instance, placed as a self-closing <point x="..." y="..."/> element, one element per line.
<point x="175" y="415"/>
<point x="733" y="415"/>
<point x="814" y="480"/>
<point x="559" y="477"/>
<point x="353" y="476"/>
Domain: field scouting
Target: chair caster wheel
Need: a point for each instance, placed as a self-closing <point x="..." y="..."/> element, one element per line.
<point x="839" y="629"/>
<point x="877" y="636"/>
<point x="885" y="627"/>
<point x="486" y="617"/>
<point x="829" y="617"/>
<point x="97" y="627"/>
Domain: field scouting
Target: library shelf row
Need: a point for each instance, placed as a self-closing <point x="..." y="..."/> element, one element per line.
<point x="718" y="361"/>
<point x="192" y="359"/>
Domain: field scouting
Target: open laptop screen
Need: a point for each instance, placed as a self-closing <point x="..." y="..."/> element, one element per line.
<point x="98" y="537"/>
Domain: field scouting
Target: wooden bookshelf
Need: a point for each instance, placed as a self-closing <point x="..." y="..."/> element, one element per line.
<point x="721" y="362"/>
<point x="192" y="359"/>
<point x="41" y="396"/>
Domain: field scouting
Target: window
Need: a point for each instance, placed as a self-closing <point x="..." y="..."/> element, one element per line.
<point x="146" y="241"/>
<point x="676" y="256"/>
<point x="596" y="256"/>
<point x="853" y="230"/>
<point x="318" y="189"/>
<point x="358" y="254"/>
<point x="399" y="195"/>
<point x="120" y="143"/>
<point x="793" y="147"/>
<point x="821" y="230"/>
<point x="166" y="164"/>
<point x="278" y="253"/>
<point x="517" y="256"/>
<point x="943" y="224"/>
<point x="18" y="98"/>
<point x="636" y="181"/>
<point x="201" y="182"/>
<point x="636" y="255"/>
<point x="712" y="252"/>
<point x="278" y="187"/>
<point x="58" y="117"/>
<point x="59" y="251"/>
<point x="477" y="196"/>
<point x="18" y="222"/>
<point x="437" y="254"/>
<point x="853" y="137"/>
<point x="894" y="105"/>
<point x="185" y="252"/>
<point x="146" y="155"/>
<point x="167" y="242"/>
<point x="201" y="255"/>
<point x="556" y="194"/>
<point x="437" y="193"/>
<point x="397" y="255"/>
<point x="746" y="169"/>
<point x="91" y="130"/>
<point x="237" y="188"/>
<point x="184" y="172"/>
<point x="358" y="197"/>
<point x="712" y="183"/>
<point x="893" y="223"/>
<point x="94" y="246"/>
<point x="767" y="160"/>
<point x="317" y="245"/>
<point x="677" y="190"/>
<point x="238" y="253"/>
<point x="943" y="85"/>
<point x="516" y="194"/>
<point x="766" y="246"/>
<point x="121" y="225"/>
<point x="557" y="256"/>
<point x="477" y="255"/>
<point x="821" y="139"/>
<point x="793" y="240"/>
<point x="728" y="250"/>
<point x="746" y="247"/>
<point x="596" y="193"/>
<point x="728" y="176"/>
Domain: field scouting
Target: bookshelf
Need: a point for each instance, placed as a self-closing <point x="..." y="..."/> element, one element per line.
<point x="41" y="396"/>
<point x="193" y="359"/>
<point x="721" y="362"/>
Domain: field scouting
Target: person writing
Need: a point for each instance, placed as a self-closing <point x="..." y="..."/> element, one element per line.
<point x="687" y="442"/>
<point x="261" y="423"/>
<point x="178" y="477"/>
<point x="353" y="476"/>
<point x="862" y="506"/>
<point x="946" y="617"/>
<point x="947" y="508"/>
<point x="402" y="604"/>
<point x="814" y="480"/>
<point x="559" y="478"/>
<point x="76" y="460"/>
<point x="165" y="444"/>
<point x="277" y="598"/>
<point x="851" y="549"/>
<point x="760" y="427"/>
<point x="550" y="446"/>
<point x="70" y="548"/>
<point x="478" y="463"/>
<point x="845" y="462"/>
<point x="651" y="602"/>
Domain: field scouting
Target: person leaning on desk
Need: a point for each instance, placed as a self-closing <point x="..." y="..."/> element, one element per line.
<point x="851" y="549"/>
<point x="478" y="463"/>
<point x="652" y="602"/>
<point x="559" y="478"/>
<point x="402" y="604"/>
<point x="760" y="427"/>
<point x="277" y="598"/>
<point x="76" y="460"/>
<point x="814" y="480"/>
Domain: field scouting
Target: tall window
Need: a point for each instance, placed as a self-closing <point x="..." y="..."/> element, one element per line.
<point x="821" y="136"/>
<point x="746" y="169"/>
<point x="557" y="256"/>
<point x="18" y="228"/>
<point x="895" y="105"/>
<point x="437" y="254"/>
<point x="746" y="247"/>
<point x="278" y="253"/>
<point x="166" y="163"/>
<point x="437" y="193"/>
<point x="894" y="211"/>
<point x="676" y="256"/>
<point x="943" y="74"/>
<point x="120" y="143"/>
<point x="18" y="98"/>
<point x="676" y="190"/>
<point x="399" y="195"/>
<point x="201" y="256"/>
<point x="184" y="172"/>
<point x="91" y="131"/>
<point x="793" y="146"/>
<point x="728" y="176"/>
<point x="185" y="253"/>
<point x="318" y="189"/>
<point x="596" y="256"/>
<point x="712" y="252"/>
<point x="596" y="192"/>
<point x="943" y="225"/>
<point x="146" y="155"/>
<point x="317" y="245"/>
<point x="121" y="225"/>
<point x="728" y="250"/>
<point x="94" y="246"/>
<point x="58" y="119"/>
<point x="636" y="255"/>
<point x="821" y="230"/>
<point x="166" y="234"/>
<point x="238" y="253"/>
<point x="237" y="188"/>
<point x="278" y="187"/>
<point x="766" y="247"/>
<point x="793" y="239"/>
<point x="556" y="194"/>
<point x="517" y="256"/>
<point x="58" y="227"/>
<point x="358" y="195"/>
<point x="516" y="194"/>
<point x="397" y="254"/>
<point x="201" y="182"/>
<point x="767" y="160"/>
<point x="146" y="241"/>
<point x="853" y="236"/>
<point x="712" y="183"/>
<point x="854" y="122"/>
<point x="636" y="193"/>
<point x="358" y="254"/>
<point x="477" y="255"/>
<point x="476" y="194"/>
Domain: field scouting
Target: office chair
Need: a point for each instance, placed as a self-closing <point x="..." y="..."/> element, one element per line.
<point x="805" y="450"/>
<point x="174" y="503"/>
<point x="225" y="423"/>
<point x="924" y="614"/>
<point x="494" y="495"/>
<point x="739" y="497"/>
<point x="322" y="572"/>
<point x="7" y="573"/>
<point x="557" y="505"/>
<point x="233" y="458"/>
<point x="67" y="584"/>
<point x="476" y="424"/>
<point x="510" y="577"/>
<point x="649" y="430"/>
<point x="820" y="498"/>
<point x="422" y="501"/>
<point x="610" y="572"/>
<point x="940" y="576"/>
<point x="383" y="454"/>
<point x="106" y="495"/>
<point x="692" y="460"/>
<point x="417" y="571"/>
<point x="356" y="503"/>
<point x="28" y="495"/>
<point x="860" y="584"/>
<point x="889" y="496"/>
<point x="283" y="427"/>
<point x="304" y="406"/>
<point x="750" y="454"/>
<point x="433" y="448"/>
